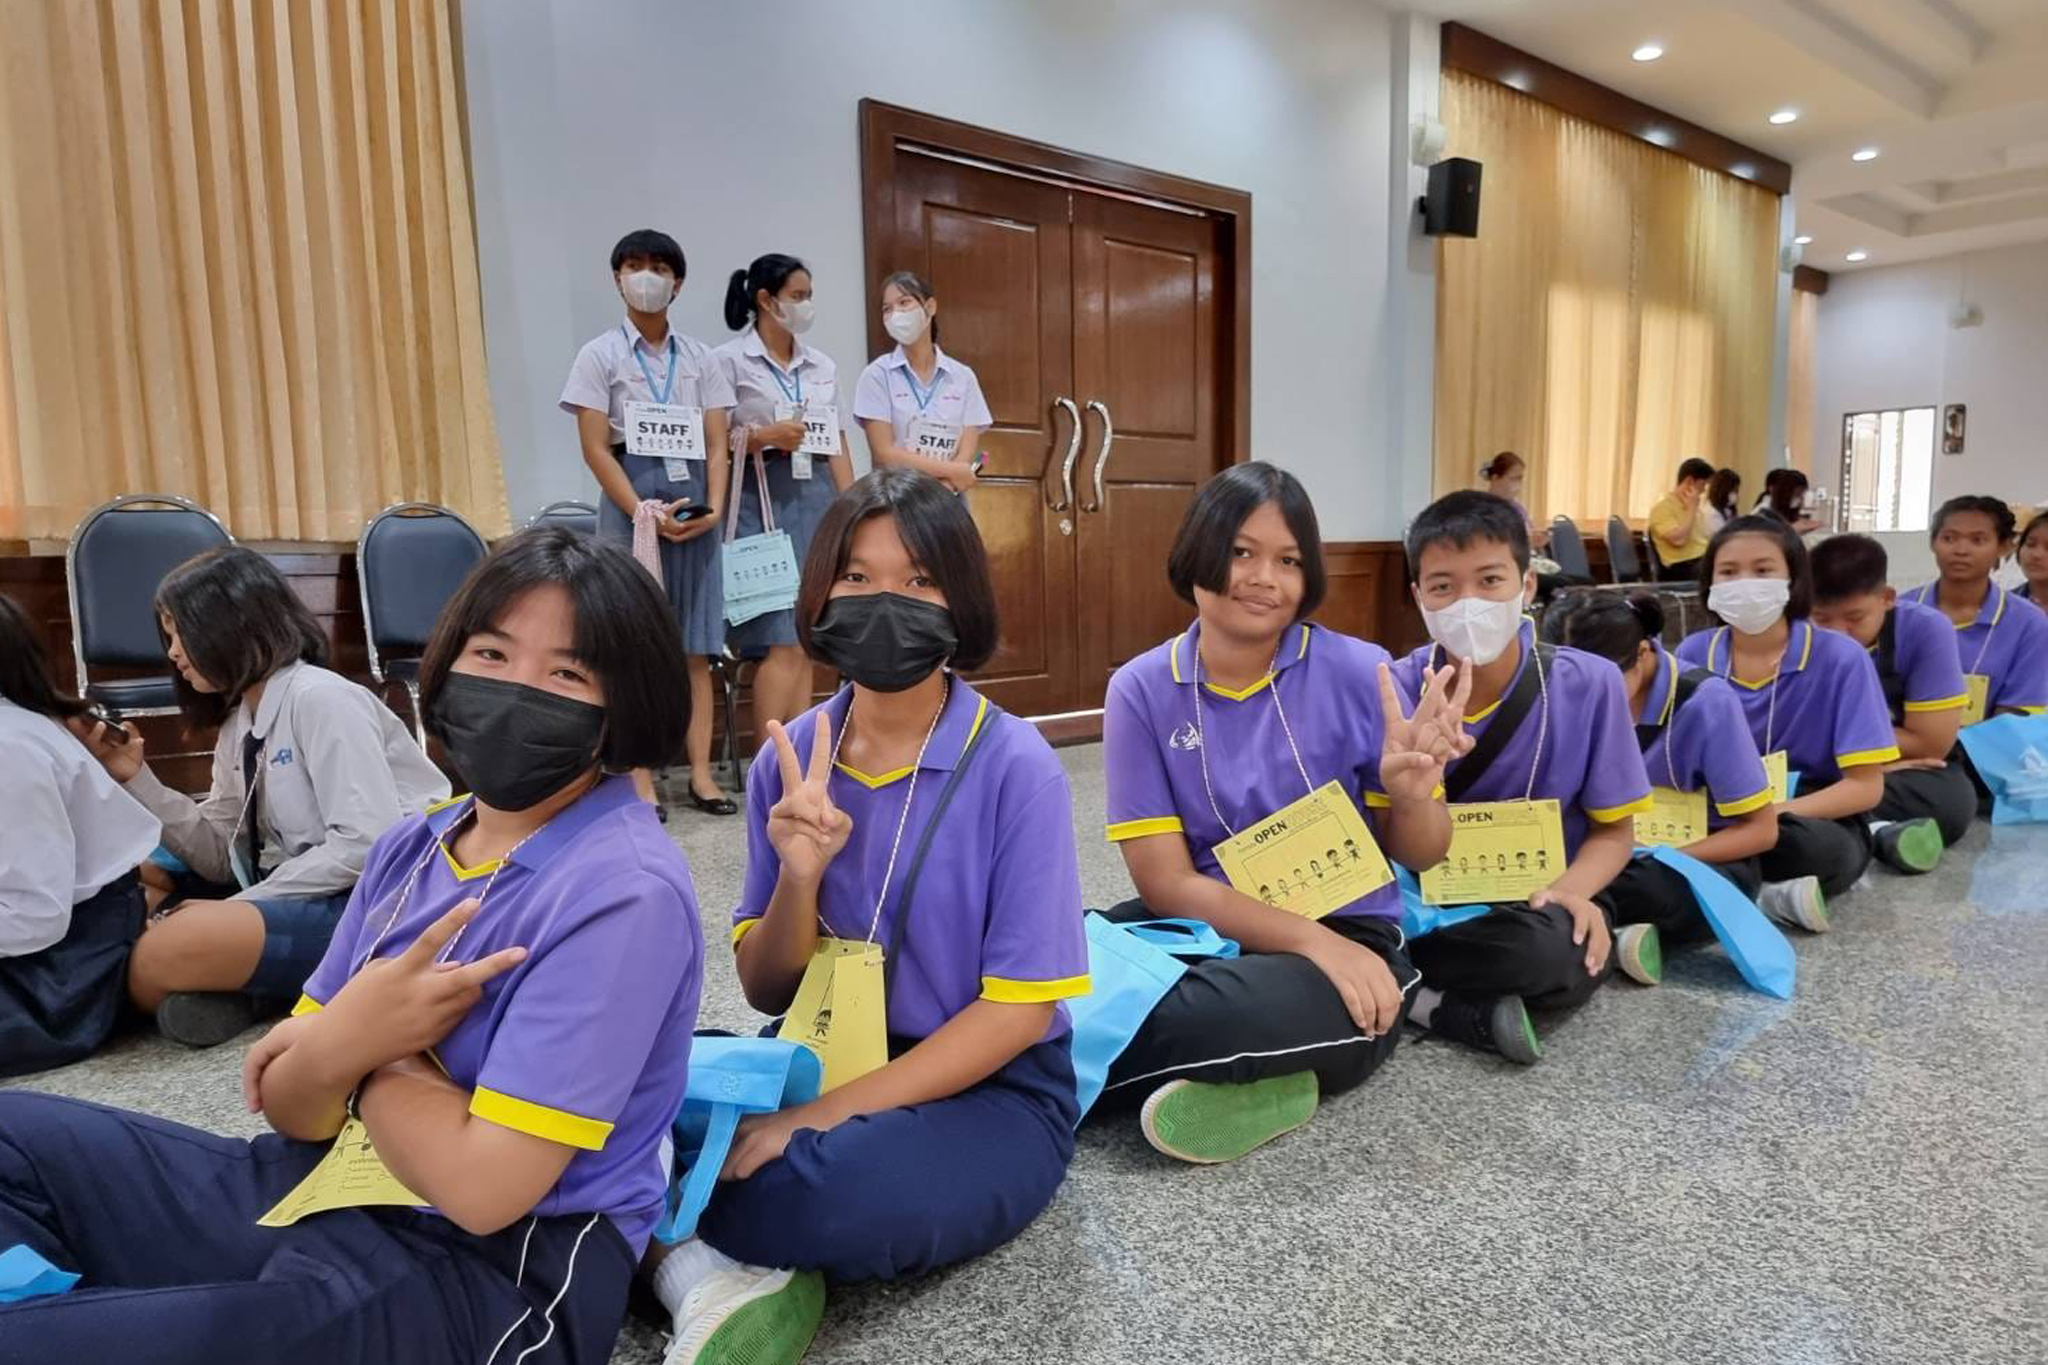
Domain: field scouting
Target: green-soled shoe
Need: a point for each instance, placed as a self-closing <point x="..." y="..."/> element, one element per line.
<point x="1910" y="846"/>
<point x="1639" y="953"/>
<point x="1206" y="1122"/>
<point x="752" y="1317"/>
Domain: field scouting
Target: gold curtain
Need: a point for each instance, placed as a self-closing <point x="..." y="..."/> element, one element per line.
<point x="1801" y="412"/>
<point x="237" y="262"/>
<point x="1614" y="316"/>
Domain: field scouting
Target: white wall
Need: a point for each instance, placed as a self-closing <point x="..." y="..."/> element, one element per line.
<point x="734" y="127"/>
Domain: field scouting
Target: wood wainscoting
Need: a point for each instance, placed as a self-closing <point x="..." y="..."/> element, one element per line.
<point x="1368" y="595"/>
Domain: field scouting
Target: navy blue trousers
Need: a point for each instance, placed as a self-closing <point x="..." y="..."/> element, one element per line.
<point x="57" y="1005"/>
<point x="159" y="1221"/>
<point x="909" y="1190"/>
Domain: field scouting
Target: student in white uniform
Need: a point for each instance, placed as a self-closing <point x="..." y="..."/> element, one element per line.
<point x="918" y="405"/>
<point x="779" y="386"/>
<point x="660" y="456"/>
<point x="70" y="904"/>
<point x="308" y="771"/>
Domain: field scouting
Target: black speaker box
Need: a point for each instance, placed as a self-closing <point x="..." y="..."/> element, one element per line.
<point x="1451" y="208"/>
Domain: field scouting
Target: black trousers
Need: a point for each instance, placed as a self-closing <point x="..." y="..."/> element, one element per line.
<point x="1512" y="950"/>
<point x="1648" y="892"/>
<point x="1836" y="851"/>
<point x="57" y="1005"/>
<point x="1944" y="795"/>
<point x="1263" y="1014"/>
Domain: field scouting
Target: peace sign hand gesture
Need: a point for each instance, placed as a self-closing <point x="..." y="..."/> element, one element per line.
<point x="1417" y="747"/>
<point x="804" y="827"/>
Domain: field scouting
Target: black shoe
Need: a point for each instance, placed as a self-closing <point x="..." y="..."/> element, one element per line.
<point x="714" y="805"/>
<point x="1491" y="1023"/>
<point x="206" y="1018"/>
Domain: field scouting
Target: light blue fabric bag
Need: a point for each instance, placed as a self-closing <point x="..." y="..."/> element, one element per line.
<point x="24" y="1274"/>
<point x="2011" y="754"/>
<point x="1419" y="917"/>
<point x="1755" y="945"/>
<point x="729" y="1078"/>
<point x="759" y="571"/>
<point x="1131" y="967"/>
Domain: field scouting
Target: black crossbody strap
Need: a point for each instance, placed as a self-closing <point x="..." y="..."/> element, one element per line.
<point x="1465" y="773"/>
<point x="1688" y="682"/>
<point x="1888" y="675"/>
<point x="924" y="843"/>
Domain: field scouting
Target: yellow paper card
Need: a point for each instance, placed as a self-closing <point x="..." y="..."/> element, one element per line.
<point x="1308" y="858"/>
<point x="1675" y="818"/>
<point x="1500" y="851"/>
<point x="1977" y="687"/>
<point x="840" y="1011"/>
<point x="1778" y="769"/>
<point x="350" y="1176"/>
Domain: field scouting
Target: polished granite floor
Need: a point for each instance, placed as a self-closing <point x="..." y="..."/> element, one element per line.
<point x="1694" y="1174"/>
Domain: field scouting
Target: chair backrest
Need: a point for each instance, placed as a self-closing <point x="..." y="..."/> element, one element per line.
<point x="1567" y="548"/>
<point x="1621" y="552"/>
<point x="410" y="560"/>
<point x="118" y="555"/>
<point x="580" y="517"/>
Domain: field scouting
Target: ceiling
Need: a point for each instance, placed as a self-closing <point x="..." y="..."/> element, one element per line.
<point x="1952" y="93"/>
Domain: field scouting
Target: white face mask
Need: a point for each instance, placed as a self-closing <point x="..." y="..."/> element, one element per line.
<point x="1476" y="629"/>
<point x="647" y="291"/>
<point x="797" y="315"/>
<point x="905" y="324"/>
<point x="1751" y="605"/>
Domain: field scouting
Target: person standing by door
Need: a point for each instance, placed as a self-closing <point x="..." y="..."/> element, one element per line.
<point x="650" y="404"/>
<point x="786" y="402"/>
<point x="919" y="406"/>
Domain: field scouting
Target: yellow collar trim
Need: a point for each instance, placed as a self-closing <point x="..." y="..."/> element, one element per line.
<point x="470" y="874"/>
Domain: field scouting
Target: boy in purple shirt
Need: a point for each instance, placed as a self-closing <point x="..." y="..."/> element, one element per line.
<point x="1205" y="738"/>
<point x="1547" y="724"/>
<point x="1928" y="800"/>
<point x="492" y="1050"/>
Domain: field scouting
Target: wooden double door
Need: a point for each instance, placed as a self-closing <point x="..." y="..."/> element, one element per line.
<point x="1103" y="327"/>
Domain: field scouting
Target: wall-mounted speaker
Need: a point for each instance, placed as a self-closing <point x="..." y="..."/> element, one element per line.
<point x="1451" y="207"/>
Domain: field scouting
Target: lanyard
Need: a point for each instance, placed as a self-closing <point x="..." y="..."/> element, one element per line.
<point x="668" y="386"/>
<point x="1542" y="715"/>
<point x="1989" y="630"/>
<point x="794" y="394"/>
<point x="435" y="845"/>
<point x="924" y="396"/>
<point x="1770" y="710"/>
<point x="1201" y="744"/>
<point x="895" y="844"/>
<point x="1670" y="764"/>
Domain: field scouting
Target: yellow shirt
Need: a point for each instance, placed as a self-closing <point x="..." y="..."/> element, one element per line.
<point x="1665" y="516"/>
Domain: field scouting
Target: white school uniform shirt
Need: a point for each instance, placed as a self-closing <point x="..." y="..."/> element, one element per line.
<point x="758" y="383"/>
<point x="886" y="393"/>
<point x="70" y="830"/>
<point x="606" y="376"/>
<point x="335" y="770"/>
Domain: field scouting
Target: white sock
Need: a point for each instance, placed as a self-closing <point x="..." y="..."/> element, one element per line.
<point x="1424" y="1007"/>
<point x="686" y="1267"/>
<point x="1876" y="825"/>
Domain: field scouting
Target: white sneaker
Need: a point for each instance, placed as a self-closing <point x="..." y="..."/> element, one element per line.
<point x="748" y="1316"/>
<point x="1798" y="902"/>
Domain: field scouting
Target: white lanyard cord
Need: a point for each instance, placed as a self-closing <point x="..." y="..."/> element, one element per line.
<point x="1989" y="630"/>
<point x="434" y="846"/>
<point x="895" y="844"/>
<point x="1201" y="739"/>
<point x="1542" y="718"/>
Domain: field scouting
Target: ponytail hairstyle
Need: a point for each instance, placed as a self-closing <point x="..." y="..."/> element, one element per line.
<point x="1501" y="465"/>
<point x="918" y="287"/>
<point x="1607" y="624"/>
<point x="769" y="272"/>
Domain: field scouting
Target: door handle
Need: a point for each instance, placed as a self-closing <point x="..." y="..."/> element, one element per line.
<point x="1102" y="454"/>
<point x="1073" y="453"/>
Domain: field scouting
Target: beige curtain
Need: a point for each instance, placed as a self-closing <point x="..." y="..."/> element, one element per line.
<point x="1614" y="316"/>
<point x="237" y="263"/>
<point x="1801" y="412"/>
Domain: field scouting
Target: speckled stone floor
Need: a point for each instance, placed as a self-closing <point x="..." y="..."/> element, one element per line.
<point x="1694" y="1173"/>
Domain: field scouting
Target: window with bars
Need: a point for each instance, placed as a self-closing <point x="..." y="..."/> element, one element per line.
<point x="1887" y="469"/>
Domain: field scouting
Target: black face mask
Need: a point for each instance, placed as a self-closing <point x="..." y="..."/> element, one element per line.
<point x="515" y="745"/>
<point x="884" y="641"/>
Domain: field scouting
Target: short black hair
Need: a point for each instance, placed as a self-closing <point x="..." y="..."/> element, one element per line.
<point x="1461" y="518"/>
<point x="1695" y="468"/>
<point x="1848" y="566"/>
<point x="626" y="633"/>
<point x="25" y="676"/>
<point x="1798" y="566"/>
<point x="768" y="272"/>
<point x="2035" y="523"/>
<point x="1721" y="490"/>
<point x="654" y="245"/>
<point x="238" y="622"/>
<point x="1201" y="552"/>
<point x="1782" y="487"/>
<point x="1605" y="623"/>
<point x="933" y="523"/>
<point x="1994" y="508"/>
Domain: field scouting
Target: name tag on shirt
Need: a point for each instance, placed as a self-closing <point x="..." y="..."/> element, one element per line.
<point x="665" y="431"/>
<point x="1500" y="851"/>
<point x="1977" y="688"/>
<point x="821" y="434"/>
<point x="1675" y="818"/>
<point x="1308" y="858"/>
<point x="350" y="1176"/>
<point x="933" y="439"/>
<point x="840" y="1012"/>
<point x="1779" y="770"/>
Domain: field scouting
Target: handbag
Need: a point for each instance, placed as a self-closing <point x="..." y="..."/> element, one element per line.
<point x="2010" y="754"/>
<point x="758" y="572"/>
<point x="729" y="1077"/>
<point x="1755" y="945"/>
<point x="1131" y="967"/>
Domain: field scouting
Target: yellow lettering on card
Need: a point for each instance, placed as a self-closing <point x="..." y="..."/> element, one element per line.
<point x="1308" y="858"/>
<point x="1500" y="851"/>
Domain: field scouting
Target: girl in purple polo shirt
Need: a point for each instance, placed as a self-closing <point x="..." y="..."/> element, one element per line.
<point x="472" y="1097"/>
<point x="1209" y="735"/>
<point x="2004" y="649"/>
<point x="2032" y="557"/>
<point x="910" y="818"/>
<point x="1814" y="707"/>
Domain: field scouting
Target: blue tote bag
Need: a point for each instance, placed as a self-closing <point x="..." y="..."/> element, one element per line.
<point x="729" y="1078"/>
<point x="1419" y="917"/>
<point x="1131" y="967"/>
<point x="2011" y="754"/>
<point x="1755" y="945"/>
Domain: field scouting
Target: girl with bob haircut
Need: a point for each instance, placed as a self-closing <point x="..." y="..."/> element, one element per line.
<point x="491" y="1052"/>
<point x="909" y="828"/>
<point x="1210" y="734"/>
<point x="308" y="770"/>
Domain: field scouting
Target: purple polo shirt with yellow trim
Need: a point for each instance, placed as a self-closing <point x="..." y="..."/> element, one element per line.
<point x="1926" y="664"/>
<point x="2007" y="643"/>
<point x="1703" y="745"/>
<point x="1829" y="714"/>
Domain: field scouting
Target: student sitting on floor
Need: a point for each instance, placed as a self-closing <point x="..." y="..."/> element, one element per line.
<point x="1928" y="800"/>
<point x="308" y="770"/>
<point x="70" y="903"/>
<point x="482" y="1072"/>
<point x="930" y="835"/>
<point x="2004" y="649"/>
<point x="2032" y="557"/>
<point x="1207" y="737"/>
<point x="1814" y="708"/>
<point x="1554" y="772"/>
<point x="1709" y="795"/>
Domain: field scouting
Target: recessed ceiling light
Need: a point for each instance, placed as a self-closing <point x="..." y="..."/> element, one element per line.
<point x="1857" y="256"/>
<point x="1785" y="116"/>
<point x="1802" y="239"/>
<point x="1648" y="52"/>
<point x="1864" y="154"/>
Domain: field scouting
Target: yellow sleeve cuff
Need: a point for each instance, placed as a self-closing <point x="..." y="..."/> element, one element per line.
<point x="1005" y="991"/>
<point x="1382" y="801"/>
<point x="1139" y="829"/>
<point x="537" y="1120"/>
<point x="1863" y="757"/>
<point x="307" y="1005"/>
<point x="1955" y="703"/>
<point x="1746" y="804"/>
<point x="740" y="930"/>
<point x="2025" y="710"/>
<point x="1608" y="815"/>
